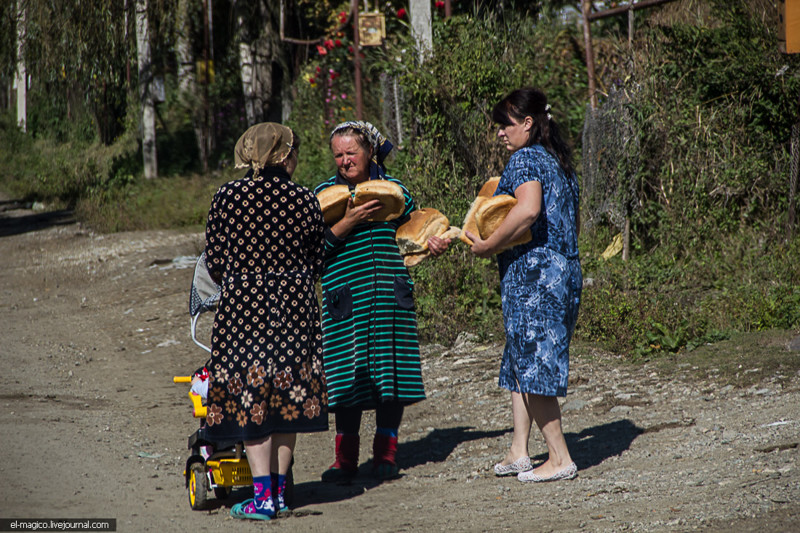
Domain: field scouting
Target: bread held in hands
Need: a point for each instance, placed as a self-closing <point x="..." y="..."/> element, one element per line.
<point x="412" y="237"/>
<point x="387" y="192"/>
<point x="492" y="212"/>
<point x="487" y="212"/>
<point x="470" y="224"/>
<point x="333" y="200"/>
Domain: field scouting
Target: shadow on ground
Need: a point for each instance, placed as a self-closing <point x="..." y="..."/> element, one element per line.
<point x="16" y="225"/>
<point x="594" y="445"/>
<point x="588" y="448"/>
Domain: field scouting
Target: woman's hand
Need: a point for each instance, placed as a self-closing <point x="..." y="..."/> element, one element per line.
<point x="363" y="212"/>
<point x="479" y="246"/>
<point x="355" y="215"/>
<point x="437" y="245"/>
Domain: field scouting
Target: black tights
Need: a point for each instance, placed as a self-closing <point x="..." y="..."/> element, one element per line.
<point x="387" y="415"/>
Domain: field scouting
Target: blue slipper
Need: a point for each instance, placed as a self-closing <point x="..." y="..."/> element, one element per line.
<point x="238" y="511"/>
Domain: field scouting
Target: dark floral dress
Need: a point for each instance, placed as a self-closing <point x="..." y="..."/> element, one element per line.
<point x="265" y="241"/>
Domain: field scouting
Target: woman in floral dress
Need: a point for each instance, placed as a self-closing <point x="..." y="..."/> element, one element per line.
<point x="540" y="281"/>
<point x="265" y="245"/>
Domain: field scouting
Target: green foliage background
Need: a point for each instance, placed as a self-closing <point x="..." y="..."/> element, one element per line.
<point x="712" y="106"/>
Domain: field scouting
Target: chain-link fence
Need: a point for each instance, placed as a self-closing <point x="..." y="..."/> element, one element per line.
<point x="393" y="102"/>
<point x="611" y="160"/>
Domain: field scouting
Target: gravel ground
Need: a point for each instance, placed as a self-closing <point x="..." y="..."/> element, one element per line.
<point x="95" y="326"/>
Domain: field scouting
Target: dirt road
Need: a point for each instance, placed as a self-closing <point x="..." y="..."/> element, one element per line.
<point x="95" y="326"/>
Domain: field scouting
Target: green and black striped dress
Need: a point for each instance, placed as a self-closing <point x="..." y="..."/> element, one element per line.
<point x="370" y="347"/>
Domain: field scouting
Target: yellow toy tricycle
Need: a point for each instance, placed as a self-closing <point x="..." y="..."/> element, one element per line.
<point x="213" y="465"/>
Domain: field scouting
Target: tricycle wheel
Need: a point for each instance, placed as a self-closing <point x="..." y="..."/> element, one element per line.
<point x="198" y="486"/>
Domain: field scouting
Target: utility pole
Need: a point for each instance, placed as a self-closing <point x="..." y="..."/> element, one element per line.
<point x="421" y="27"/>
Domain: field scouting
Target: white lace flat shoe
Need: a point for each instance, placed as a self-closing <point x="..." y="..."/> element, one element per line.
<point x="523" y="464"/>
<point x="570" y="472"/>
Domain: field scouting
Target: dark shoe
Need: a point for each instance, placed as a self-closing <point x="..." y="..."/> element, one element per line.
<point x="386" y="471"/>
<point x="338" y="475"/>
<point x="345" y="467"/>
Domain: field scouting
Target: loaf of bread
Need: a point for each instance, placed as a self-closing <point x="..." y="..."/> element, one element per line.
<point x="491" y="213"/>
<point x="411" y="259"/>
<point x="412" y="236"/>
<point x="387" y="192"/>
<point x="470" y="224"/>
<point x="333" y="202"/>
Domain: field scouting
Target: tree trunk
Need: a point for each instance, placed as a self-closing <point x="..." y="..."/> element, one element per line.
<point x="263" y="53"/>
<point x="258" y="45"/>
<point x="421" y="27"/>
<point x="187" y="81"/>
<point x="247" y="73"/>
<point x="145" y="94"/>
<point x="22" y="73"/>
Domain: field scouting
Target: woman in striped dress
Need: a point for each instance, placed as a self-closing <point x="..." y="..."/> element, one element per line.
<point x="370" y="348"/>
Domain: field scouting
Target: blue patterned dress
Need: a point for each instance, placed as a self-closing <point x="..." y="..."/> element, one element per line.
<point x="540" y="281"/>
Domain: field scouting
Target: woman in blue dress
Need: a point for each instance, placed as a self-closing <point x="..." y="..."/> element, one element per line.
<point x="540" y="281"/>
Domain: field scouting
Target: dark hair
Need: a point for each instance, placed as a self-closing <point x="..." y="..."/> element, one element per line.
<point x="531" y="102"/>
<point x="295" y="141"/>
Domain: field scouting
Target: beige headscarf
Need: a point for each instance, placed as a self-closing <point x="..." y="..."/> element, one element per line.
<point x="264" y="145"/>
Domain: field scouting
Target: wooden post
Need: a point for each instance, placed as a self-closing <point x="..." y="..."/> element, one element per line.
<point x="447" y="9"/>
<point x="626" y="232"/>
<point x="630" y="28"/>
<point x="587" y="40"/>
<point x="793" y="170"/>
<point x="357" y="63"/>
<point x="148" y="116"/>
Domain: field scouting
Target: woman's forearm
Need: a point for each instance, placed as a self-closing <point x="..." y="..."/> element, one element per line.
<point x="343" y="228"/>
<point x="517" y="222"/>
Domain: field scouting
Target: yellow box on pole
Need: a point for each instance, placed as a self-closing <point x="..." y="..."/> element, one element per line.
<point x="789" y="26"/>
<point x="371" y="29"/>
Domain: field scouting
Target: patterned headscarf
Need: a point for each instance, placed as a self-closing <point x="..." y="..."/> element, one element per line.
<point x="263" y="145"/>
<point x="380" y="145"/>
